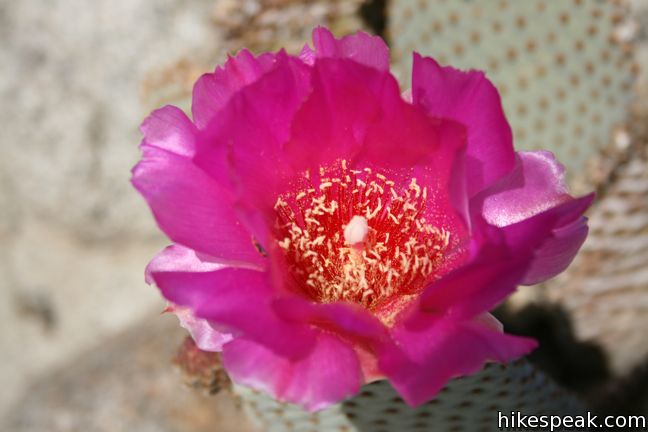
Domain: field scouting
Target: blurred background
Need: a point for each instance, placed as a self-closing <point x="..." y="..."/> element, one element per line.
<point x="83" y="344"/>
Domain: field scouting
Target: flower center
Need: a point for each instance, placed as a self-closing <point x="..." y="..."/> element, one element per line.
<point x="354" y="236"/>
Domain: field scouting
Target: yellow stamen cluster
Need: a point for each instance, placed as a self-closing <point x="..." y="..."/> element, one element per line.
<point x="398" y="255"/>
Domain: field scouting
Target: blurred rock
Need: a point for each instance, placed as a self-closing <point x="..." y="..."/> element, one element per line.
<point x="75" y="235"/>
<point x="263" y="25"/>
<point x="59" y="295"/>
<point x="125" y="384"/>
<point x="73" y="103"/>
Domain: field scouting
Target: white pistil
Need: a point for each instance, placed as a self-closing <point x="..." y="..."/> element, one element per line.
<point x="356" y="230"/>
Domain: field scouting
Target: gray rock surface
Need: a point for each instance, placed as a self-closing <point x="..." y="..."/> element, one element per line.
<point x="74" y="86"/>
<point x="76" y="78"/>
<point x="126" y="383"/>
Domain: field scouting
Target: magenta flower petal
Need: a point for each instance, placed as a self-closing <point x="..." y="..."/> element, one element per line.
<point x="557" y="252"/>
<point x="259" y="120"/>
<point x="437" y="351"/>
<point x="330" y="373"/>
<point x="307" y="55"/>
<point x="247" y="137"/>
<point x="191" y="208"/>
<point x="476" y="287"/>
<point x="214" y="90"/>
<point x="321" y="133"/>
<point x="206" y="337"/>
<point x="361" y="330"/>
<point x="360" y="47"/>
<point x="239" y="301"/>
<point x="469" y="98"/>
<point x="170" y="129"/>
<point x="553" y="253"/>
<point x="403" y="136"/>
<point x="488" y="320"/>
<point x="535" y="184"/>
<point x="357" y="113"/>
<point x="179" y="258"/>
<point x="347" y="320"/>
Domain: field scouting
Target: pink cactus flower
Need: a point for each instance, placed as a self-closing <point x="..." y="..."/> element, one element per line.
<point x="329" y="231"/>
